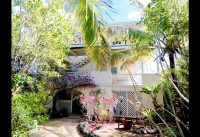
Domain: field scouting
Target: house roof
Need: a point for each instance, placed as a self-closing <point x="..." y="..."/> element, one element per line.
<point x="77" y="48"/>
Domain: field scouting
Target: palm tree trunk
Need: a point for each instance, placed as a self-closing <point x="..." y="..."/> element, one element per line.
<point x="174" y="80"/>
<point x="172" y="65"/>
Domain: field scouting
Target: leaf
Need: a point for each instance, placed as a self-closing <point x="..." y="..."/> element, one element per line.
<point x="146" y="89"/>
<point x="156" y="88"/>
<point x="148" y="113"/>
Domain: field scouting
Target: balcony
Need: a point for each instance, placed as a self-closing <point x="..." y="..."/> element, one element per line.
<point x="139" y="79"/>
<point x="125" y="79"/>
<point x="72" y="79"/>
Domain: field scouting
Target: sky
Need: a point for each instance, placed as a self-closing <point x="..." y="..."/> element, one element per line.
<point x="126" y="12"/>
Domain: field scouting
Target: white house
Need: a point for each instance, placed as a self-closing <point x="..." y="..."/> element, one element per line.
<point x="145" y="72"/>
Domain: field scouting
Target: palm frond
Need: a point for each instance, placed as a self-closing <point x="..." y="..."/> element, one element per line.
<point x="140" y="48"/>
<point x="141" y="37"/>
<point x="90" y="20"/>
<point x="135" y="54"/>
<point x="119" y="56"/>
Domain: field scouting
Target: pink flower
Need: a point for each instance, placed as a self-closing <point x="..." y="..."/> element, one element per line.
<point x="92" y="97"/>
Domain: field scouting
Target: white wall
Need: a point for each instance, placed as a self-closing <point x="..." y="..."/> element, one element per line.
<point x="107" y="79"/>
<point x="150" y="79"/>
<point x="101" y="78"/>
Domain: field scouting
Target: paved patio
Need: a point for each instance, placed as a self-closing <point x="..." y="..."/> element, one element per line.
<point x="67" y="127"/>
<point x="60" y="127"/>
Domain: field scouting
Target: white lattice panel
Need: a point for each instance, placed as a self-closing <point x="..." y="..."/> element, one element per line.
<point x="127" y="106"/>
<point x="121" y="105"/>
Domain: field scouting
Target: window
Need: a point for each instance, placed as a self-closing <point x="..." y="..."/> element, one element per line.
<point x="104" y="69"/>
<point x="114" y="70"/>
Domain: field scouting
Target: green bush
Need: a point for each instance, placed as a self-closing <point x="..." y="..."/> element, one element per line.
<point x="170" y="132"/>
<point x="27" y="111"/>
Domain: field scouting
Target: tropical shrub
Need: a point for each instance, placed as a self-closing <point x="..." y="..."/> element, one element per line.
<point x="170" y="132"/>
<point x="27" y="112"/>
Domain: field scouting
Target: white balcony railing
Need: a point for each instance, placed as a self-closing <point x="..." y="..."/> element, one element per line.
<point x="125" y="79"/>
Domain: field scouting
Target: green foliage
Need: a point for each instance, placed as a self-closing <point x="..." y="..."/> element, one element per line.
<point x="141" y="46"/>
<point x="98" y="92"/>
<point x="146" y="89"/>
<point x="156" y="88"/>
<point x="104" y="112"/>
<point x="182" y="73"/>
<point x="151" y="91"/>
<point x="140" y="38"/>
<point x="119" y="55"/>
<point x="170" y="132"/>
<point x="168" y="21"/>
<point x="41" y="33"/>
<point x="148" y="113"/>
<point x="19" y="79"/>
<point x="89" y="19"/>
<point x="26" y="111"/>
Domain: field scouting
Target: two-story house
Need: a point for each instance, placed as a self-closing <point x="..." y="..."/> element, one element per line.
<point x="126" y="87"/>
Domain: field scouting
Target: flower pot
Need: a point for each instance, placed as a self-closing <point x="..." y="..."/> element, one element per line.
<point x="127" y="124"/>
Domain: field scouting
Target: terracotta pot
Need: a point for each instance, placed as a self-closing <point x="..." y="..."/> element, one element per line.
<point x="127" y="124"/>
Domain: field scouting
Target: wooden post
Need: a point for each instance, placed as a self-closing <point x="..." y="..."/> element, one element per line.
<point x="71" y="100"/>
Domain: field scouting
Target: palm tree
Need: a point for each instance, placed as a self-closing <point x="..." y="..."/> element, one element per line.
<point x="88" y="17"/>
<point x="141" y="46"/>
<point x="91" y="23"/>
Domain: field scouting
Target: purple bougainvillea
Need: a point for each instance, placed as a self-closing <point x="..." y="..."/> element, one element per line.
<point x="77" y="78"/>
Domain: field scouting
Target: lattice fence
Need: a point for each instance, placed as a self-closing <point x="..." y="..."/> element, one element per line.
<point x="126" y="103"/>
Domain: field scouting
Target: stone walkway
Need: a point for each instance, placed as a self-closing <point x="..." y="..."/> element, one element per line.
<point x="60" y="127"/>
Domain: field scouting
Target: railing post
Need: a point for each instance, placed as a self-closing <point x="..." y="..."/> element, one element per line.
<point x="142" y="66"/>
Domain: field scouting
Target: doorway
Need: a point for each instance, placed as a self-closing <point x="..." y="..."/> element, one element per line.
<point x="76" y="106"/>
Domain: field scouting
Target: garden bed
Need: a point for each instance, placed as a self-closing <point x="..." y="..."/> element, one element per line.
<point x="106" y="129"/>
<point x="86" y="130"/>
